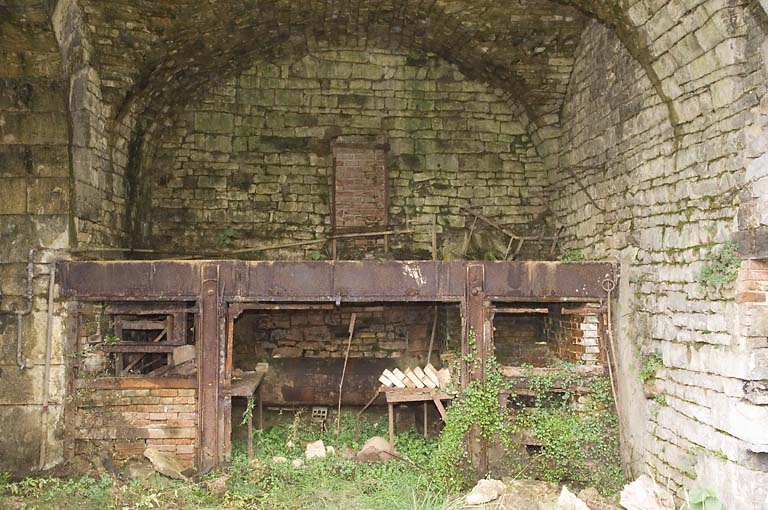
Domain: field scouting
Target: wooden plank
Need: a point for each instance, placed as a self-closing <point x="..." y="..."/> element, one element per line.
<point x="444" y="377"/>
<point x="414" y="379"/>
<point x="520" y="310"/>
<point x="414" y="395"/>
<point x="145" y="325"/>
<point x="246" y="385"/>
<point x="117" y="383"/>
<point x="385" y="381"/>
<point x="421" y="375"/>
<point x="440" y="408"/>
<point x="138" y="347"/>
<point x="392" y="377"/>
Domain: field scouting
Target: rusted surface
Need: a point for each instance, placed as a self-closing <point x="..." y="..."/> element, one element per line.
<point x="478" y="327"/>
<point x="315" y="381"/>
<point x="208" y="371"/>
<point x="547" y="281"/>
<point x="167" y="280"/>
<point x="208" y="287"/>
<point x="328" y="281"/>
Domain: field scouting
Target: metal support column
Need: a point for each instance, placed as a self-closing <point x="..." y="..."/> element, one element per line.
<point x="208" y="369"/>
<point x="477" y="326"/>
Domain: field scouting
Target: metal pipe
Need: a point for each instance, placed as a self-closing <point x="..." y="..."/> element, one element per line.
<point x="20" y="313"/>
<point x="47" y="373"/>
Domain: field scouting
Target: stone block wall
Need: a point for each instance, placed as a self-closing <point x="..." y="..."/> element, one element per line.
<point x="121" y="422"/>
<point x="391" y="331"/>
<point x="249" y="163"/>
<point x="99" y="165"/>
<point x="35" y="198"/>
<point x="519" y="340"/>
<point x="648" y="174"/>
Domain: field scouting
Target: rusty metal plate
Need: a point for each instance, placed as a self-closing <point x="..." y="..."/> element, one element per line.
<point x="548" y="281"/>
<point x="288" y="281"/>
<point x="403" y="281"/>
<point x="129" y="280"/>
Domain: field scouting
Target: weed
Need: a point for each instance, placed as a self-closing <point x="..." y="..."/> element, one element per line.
<point x="572" y="256"/>
<point x="652" y="363"/>
<point x="722" y="266"/>
<point x="703" y="499"/>
<point x="580" y="446"/>
<point x="474" y="411"/>
<point x="226" y="238"/>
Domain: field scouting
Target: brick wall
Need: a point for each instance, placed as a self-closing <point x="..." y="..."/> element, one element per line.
<point x="575" y="337"/>
<point x="122" y="421"/>
<point x="360" y="186"/>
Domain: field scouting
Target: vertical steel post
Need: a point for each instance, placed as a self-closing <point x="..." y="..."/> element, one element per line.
<point x="477" y="325"/>
<point x="208" y="369"/>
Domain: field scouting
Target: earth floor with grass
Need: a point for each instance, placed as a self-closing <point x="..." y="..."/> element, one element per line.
<point x="271" y="480"/>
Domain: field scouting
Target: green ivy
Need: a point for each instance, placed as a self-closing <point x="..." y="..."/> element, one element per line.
<point x="572" y="256"/>
<point x="579" y="442"/>
<point x="475" y="409"/>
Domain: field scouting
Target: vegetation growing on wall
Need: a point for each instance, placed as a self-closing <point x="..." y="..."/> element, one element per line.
<point x="576" y="428"/>
<point x="721" y="267"/>
<point x="475" y="411"/>
<point x="578" y="434"/>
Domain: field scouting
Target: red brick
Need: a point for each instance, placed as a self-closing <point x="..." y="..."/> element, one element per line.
<point x="165" y="393"/>
<point x="751" y="297"/>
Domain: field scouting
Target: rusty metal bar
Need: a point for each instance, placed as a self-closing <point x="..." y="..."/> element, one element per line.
<point x="208" y="369"/>
<point x="520" y="310"/>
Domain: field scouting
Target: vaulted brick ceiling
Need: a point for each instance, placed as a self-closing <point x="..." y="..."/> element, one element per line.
<point x="155" y="54"/>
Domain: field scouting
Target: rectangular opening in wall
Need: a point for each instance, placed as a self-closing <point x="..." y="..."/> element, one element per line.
<point x="303" y="347"/>
<point x="136" y="339"/>
<point x="545" y="334"/>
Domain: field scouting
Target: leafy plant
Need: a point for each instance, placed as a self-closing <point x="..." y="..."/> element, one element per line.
<point x="572" y="256"/>
<point x="722" y="266"/>
<point x="703" y="499"/>
<point x="474" y="411"/>
<point x="652" y="363"/>
<point x="226" y="238"/>
<point x="578" y="444"/>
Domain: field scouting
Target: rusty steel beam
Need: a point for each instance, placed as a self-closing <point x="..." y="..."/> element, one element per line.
<point x="329" y="281"/>
<point x="130" y="280"/>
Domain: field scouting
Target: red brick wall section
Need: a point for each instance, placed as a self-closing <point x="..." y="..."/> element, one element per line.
<point x="752" y="299"/>
<point x="753" y="282"/>
<point x="576" y="337"/>
<point x="126" y="421"/>
<point x="360" y="186"/>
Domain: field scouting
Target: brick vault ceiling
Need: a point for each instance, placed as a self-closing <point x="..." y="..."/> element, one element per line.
<point x="153" y="55"/>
